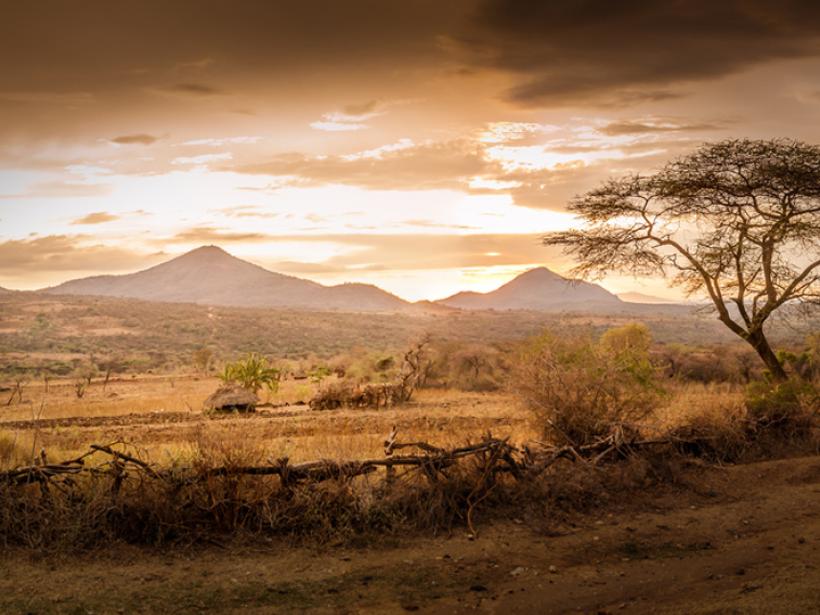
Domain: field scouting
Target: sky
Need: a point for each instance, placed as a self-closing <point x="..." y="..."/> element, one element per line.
<point x="420" y="146"/>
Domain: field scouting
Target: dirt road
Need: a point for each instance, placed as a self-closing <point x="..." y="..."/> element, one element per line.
<point x="748" y="542"/>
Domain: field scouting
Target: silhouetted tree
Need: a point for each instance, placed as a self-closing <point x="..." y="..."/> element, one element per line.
<point x="738" y="220"/>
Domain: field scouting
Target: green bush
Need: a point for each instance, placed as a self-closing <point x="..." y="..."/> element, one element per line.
<point x="253" y="372"/>
<point x="579" y="391"/>
<point x="789" y="407"/>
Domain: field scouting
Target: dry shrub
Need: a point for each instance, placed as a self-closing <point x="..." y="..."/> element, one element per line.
<point x="786" y="410"/>
<point x="347" y="394"/>
<point x="191" y="503"/>
<point x="715" y="427"/>
<point x="725" y="425"/>
<point x="468" y="367"/>
<point x="578" y="391"/>
<point x="10" y="451"/>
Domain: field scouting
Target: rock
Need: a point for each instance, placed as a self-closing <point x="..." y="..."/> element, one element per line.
<point x="230" y="398"/>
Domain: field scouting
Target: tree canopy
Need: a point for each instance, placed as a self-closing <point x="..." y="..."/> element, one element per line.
<point x="738" y="221"/>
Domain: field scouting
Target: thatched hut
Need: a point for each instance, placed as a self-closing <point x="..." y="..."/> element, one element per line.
<point x="231" y="398"/>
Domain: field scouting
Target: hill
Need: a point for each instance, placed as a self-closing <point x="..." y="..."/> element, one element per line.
<point x="644" y="298"/>
<point x="537" y="289"/>
<point x="211" y="276"/>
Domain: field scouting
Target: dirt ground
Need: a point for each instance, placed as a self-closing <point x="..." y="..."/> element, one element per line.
<point x="748" y="541"/>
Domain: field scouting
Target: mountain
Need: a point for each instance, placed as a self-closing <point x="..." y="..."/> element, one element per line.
<point x="537" y="289"/>
<point x="211" y="276"/>
<point x="644" y="298"/>
<point x="5" y="291"/>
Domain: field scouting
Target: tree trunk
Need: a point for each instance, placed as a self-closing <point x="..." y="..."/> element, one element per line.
<point x="761" y="345"/>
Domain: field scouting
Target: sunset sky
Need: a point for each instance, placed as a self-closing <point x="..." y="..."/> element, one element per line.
<point x="421" y="146"/>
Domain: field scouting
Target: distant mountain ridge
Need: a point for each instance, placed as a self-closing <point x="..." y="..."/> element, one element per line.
<point x="633" y="297"/>
<point x="536" y="289"/>
<point x="208" y="275"/>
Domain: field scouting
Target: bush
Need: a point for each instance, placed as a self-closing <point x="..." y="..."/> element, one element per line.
<point x="788" y="407"/>
<point x="468" y="367"/>
<point x="579" y="391"/>
<point x="252" y="373"/>
<point x="714" y="426"/>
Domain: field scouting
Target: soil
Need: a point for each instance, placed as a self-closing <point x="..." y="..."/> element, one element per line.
<point x="746" y="540"/>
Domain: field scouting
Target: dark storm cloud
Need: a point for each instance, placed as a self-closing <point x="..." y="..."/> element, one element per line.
<point x="631" y="51"/>
<point x="558" y="52"/>
<point x="92" y="42"/>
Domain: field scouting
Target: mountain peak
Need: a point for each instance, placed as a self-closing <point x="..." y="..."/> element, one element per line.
<point x="538" y="274"/>
<point x="209" y="249"/>
<point x="210" y="275"/>
<point x="205" y="252"/>
<point x="535" y="289"/>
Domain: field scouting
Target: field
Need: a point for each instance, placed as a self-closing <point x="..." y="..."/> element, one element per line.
<point x="163" y="416"/>
<point x="721" y="519"/>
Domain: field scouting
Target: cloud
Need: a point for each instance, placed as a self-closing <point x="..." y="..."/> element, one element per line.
<point x="68" y="99"/>
<point x="210" y="234"/>
<point x="535" y="174"/>
<point x="221" y="141"/>
<point x="351" y="118"/>
<point x="416" y="252"/>
<point x="422" y="223"/>
<point x="137" y="139"/>
<point x="245" y="211"/>
<point x="361" y="108"/>
<point x="329" y="125"/>
<point x="192" y="89"/>
<point x="195" y="64"/>
<point x="60" y="189"/>
<point x="202" y="158"/>
<point x="629" y="52"/>
<point x="98" y="217"/>
<point x="427" y="166"/>
<point x="627" y="127"/>
<point x="52" y="253"/>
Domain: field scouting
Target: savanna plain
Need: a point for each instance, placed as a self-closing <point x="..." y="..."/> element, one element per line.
<point x="436" y="462"/>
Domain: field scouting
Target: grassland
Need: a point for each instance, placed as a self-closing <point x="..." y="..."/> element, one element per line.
<point x="669" y="533"/>
<point x="54" y="335"/>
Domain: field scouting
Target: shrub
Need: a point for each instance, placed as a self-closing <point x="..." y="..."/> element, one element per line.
<point x="468" y="367"/>
<point x="10" y="451"/>
<point x="788" y="407"/>
<point x="252" y="373"/>
<point x="714" y="425"/>
<point x="579" y="391"/>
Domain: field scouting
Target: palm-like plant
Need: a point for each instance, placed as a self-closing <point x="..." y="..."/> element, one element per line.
<point x="253" y="372"/>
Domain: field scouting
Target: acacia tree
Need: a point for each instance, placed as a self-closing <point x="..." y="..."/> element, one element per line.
<point x="738" y="220"/>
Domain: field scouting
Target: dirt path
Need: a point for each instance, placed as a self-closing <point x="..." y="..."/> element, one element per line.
<point x="749" y="543"/>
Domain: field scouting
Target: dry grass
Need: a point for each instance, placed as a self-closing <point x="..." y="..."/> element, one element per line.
<point x="154" y="416"/>
<point x="166" y="422"/>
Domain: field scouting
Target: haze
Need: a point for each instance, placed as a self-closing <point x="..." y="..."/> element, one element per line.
<point x="418" y="146"/>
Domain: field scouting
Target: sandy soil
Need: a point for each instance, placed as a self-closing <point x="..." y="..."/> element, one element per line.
<point x="748" y="541"/>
